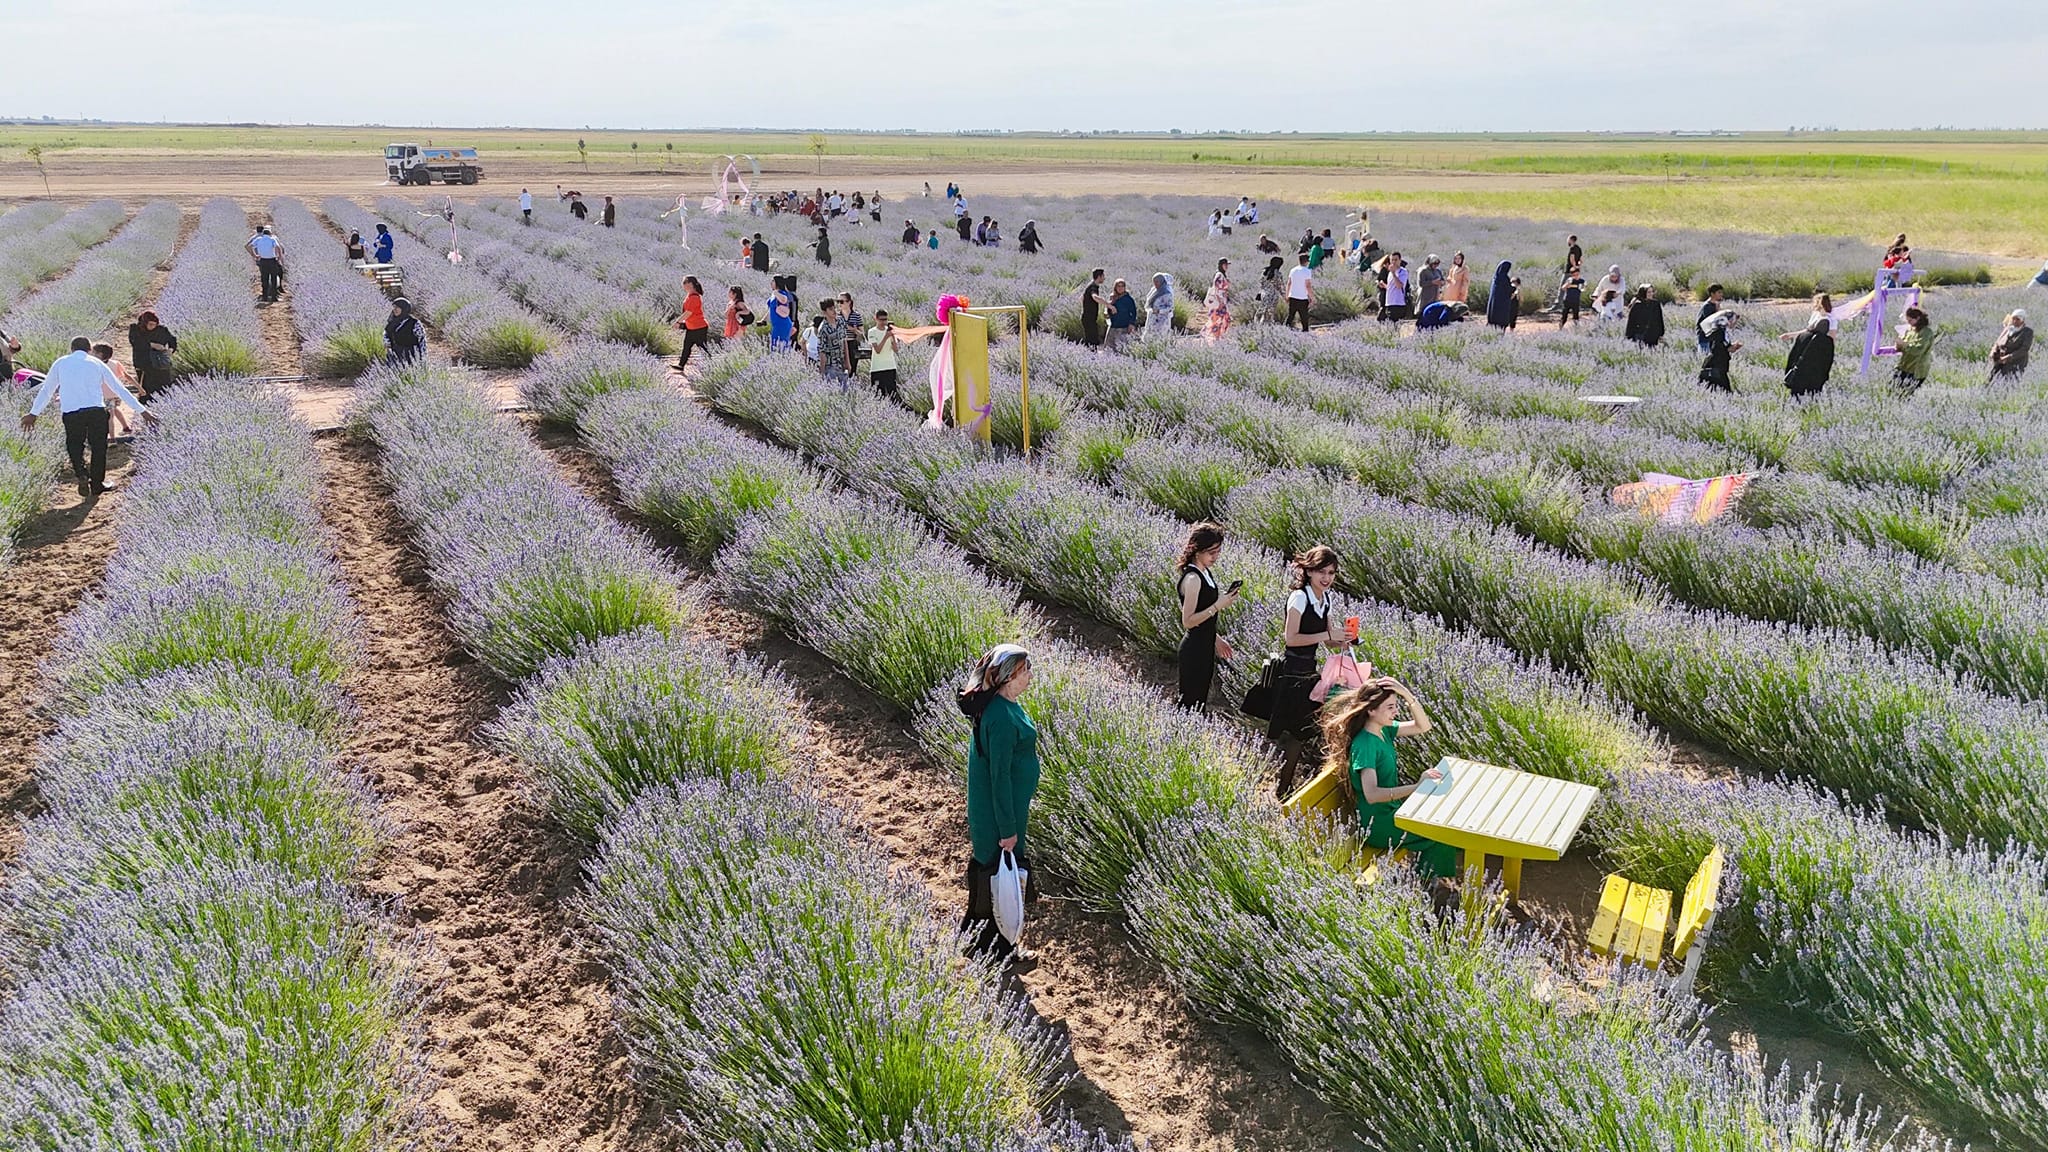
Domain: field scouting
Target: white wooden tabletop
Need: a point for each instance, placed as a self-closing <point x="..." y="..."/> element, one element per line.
<point x="1497" y="811"/>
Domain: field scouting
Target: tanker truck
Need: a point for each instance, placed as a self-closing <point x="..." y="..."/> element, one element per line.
<point x="412" y="164"/>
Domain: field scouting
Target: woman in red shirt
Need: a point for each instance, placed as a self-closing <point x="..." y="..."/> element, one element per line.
<point x="696" y="332"/>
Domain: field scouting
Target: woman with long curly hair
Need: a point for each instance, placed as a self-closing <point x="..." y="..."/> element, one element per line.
<point x="1358" y="736"/>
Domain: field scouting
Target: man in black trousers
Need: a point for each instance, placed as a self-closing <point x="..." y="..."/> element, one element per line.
<point x="81" y="385"/>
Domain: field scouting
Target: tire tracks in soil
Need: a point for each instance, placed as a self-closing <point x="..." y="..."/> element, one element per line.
<point x="1148" y="1065"/>
<point x="521" y="1025"/>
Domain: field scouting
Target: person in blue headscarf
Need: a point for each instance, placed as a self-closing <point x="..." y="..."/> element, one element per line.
<point x="1500" y="299"/>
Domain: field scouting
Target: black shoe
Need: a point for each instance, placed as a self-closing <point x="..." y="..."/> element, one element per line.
<point x="103" y="489"/>
<point x="85" y="487"/>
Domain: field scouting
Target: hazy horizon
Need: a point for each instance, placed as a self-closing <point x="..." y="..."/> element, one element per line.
<point x="1198" y="65"/>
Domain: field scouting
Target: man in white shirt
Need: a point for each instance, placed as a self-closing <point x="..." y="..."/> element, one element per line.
<point x="266" y="249"/>
<point x="1301" y="290"/>
<point x="526" y="206"/>
<point x="81" y="384"/>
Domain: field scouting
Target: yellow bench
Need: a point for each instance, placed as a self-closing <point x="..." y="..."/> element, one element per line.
<point x="1633" y="917"/>
<point x="1323" y="806"/>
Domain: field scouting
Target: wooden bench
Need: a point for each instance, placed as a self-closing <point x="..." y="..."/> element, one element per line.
<point x="1324" y="808"/>
<point x="389" y="277"/>
<point x="1633" y="917"/>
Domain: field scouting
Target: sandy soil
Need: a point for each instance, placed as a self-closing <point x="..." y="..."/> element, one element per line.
<point x="62" y="554"/>
<point x="1145" y="1064"/>
<point x="522" y="1022"/>
<point x="253" y="178"/>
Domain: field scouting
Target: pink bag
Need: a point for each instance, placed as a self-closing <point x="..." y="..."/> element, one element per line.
<point x="1339" y="672"/>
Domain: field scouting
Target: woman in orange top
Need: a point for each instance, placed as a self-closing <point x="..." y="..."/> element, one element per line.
<point x="738" y="317"/>
<point x="696" y="332"/>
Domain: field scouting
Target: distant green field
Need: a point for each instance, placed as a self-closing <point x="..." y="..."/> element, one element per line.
<point x="1968" y="191"/>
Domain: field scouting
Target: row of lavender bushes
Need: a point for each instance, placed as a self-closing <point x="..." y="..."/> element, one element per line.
<point x="1801" y="929"/>
<point x="39" y="247"/>
<point x="1134" y="237"/>
<point x="1836" y="711"/>
<point x="28" y="465"/>
<point x="1919" y="491"/>
<point x="100" y="290"/>
<point x="83" y="302"/>
<point x="1604" y="454"/>
<point x="483" y="326"/>
<point x="776" y="984"/>
<point x="338" y="312"/>
<point x="622" y="260"/>
<point x="1485" y="1040"/>
<point x="190" y="961"/>
<point x="1974" y="624"/>
<point x="1957" y="444"/>
<point x="558" y="292"/>
<point x="206" y="302"/>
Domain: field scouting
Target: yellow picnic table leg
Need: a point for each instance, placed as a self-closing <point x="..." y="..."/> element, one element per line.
<point x="1511" y="876"/>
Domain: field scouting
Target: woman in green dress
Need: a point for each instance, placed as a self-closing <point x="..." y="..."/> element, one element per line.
<point x="1360" y="736"/>
<point x="1002" y="778"/>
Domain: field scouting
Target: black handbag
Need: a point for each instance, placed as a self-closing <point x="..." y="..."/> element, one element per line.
<point x="1258" y="699"/>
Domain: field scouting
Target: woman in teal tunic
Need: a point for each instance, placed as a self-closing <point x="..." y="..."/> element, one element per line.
<point x="1002" y="778"/>
<point x="1360" y="737"/>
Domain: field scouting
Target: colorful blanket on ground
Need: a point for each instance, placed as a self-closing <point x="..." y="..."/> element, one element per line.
<point x="1677" y="500"/>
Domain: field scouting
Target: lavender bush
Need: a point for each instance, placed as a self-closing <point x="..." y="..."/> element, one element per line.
<point x="135" y="806"/>
<point x="206" y="300"/>
<point x="759" y="952"/>
<point x="867" y="587"/>
<point x="259" y="1010"/>
<point x="338" y="313"/>
<point x="1469" y="1029"/>
<point x="31" y="253"/>
<point x="28" y="464"/>
<point x="631" y="713"/>
<point x="100" y="290"/>
<point x="530" y="567"/>
<point x="1923" y="951"/>
<point x="185" y="955"/>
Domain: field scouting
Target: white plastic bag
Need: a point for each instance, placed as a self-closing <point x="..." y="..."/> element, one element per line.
<point x="1006" y="891"/>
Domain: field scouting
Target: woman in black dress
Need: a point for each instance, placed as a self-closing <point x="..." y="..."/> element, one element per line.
<point x="150" y="346"/>
<point x="1714" y="369"/>
<point x="1201" y="602"/>
<point x="1311" y="624"/>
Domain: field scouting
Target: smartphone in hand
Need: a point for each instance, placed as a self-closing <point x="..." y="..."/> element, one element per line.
<point x="1235" y="586"/>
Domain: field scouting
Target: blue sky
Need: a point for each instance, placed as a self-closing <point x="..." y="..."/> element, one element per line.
<point x="1310" y="65"/>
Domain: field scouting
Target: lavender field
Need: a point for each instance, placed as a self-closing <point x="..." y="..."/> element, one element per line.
<point x="1842" y="684"/>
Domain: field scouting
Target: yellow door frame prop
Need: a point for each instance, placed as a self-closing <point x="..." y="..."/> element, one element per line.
<point x="973" y="408"/>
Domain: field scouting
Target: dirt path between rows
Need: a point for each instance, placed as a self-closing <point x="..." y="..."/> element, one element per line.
<point x="522" y="1023"/>
<point x="281" y="352"/>
<point x="61" y="555"/>
<point x="1147" y="1065"/>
